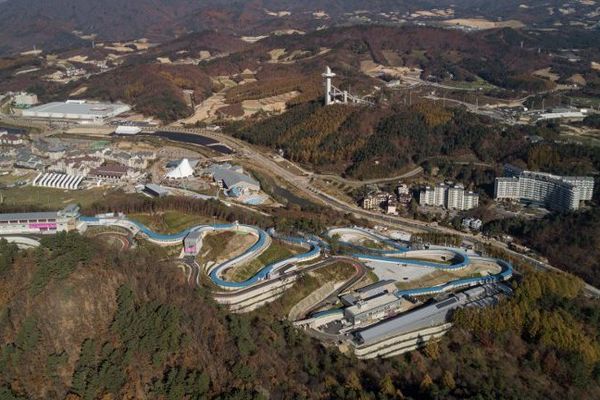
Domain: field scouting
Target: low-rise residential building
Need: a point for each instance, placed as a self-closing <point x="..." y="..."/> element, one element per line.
<point x="7" y="162"/>
<point x="472" y="223"/>
<point x="113" y="173"/>
<point x="10" y="139"/>
<point x="137" y="159"/>
<point x="403" y="189"/>
<point x="391" y="207"/>
<point x="376" y="200"/>
<point x="77" y="166"/>
<point x="24" y="100"/>
<point x="27" y="160"/>
<point x="51" y="149"/>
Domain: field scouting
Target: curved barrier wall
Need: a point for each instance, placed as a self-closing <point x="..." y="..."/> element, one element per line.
<point x="463" y="260"/>
<point x="505" y="274"/>
<point x="215" y="272"/>
<point x="268" y="271"/>
<point x="399" y="248"/>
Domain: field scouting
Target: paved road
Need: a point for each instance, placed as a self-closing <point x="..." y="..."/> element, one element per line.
<point x="303" y="185"/>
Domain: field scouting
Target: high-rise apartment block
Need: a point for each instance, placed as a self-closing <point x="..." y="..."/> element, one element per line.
<point x="449" y="196"/>
<point x="559" y="193"/>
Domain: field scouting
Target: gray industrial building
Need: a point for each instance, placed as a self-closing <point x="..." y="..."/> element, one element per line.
<point x="366" y="292"/>
<point x="233" y="179"/>
<point x="77" y="110"/>
<point x="39" y="222"/>
<point x="156" y="190"/>
<point x="375" y="308"/>
<point x="431" y="315"/>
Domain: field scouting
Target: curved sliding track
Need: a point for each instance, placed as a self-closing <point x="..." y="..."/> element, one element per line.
<point x="215" y="272"/>
<point x="401" y="257"/>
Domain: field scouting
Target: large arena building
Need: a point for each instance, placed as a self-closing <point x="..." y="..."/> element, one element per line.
<point x="77" y="110"/>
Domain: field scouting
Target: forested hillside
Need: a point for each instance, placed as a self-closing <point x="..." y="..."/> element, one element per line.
<point x="153" y="89"/>
<point x="79" y="321"/>
<point x="570" y="241"/>
<point x="367" y="143"/>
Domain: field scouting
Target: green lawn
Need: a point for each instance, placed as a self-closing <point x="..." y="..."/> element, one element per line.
<point x="371" y="244"/>
<point x="11" y="178"/>
<point x="51" y="199"/>
<point x="277" y="251"/>
<point x="339" y="271"/>
<point x="479" y="83"/>
<point x="171" y="221"/>
<point x="308" y="284"/>
<point x="372" y="276"/>
<point x="302" y="288"/>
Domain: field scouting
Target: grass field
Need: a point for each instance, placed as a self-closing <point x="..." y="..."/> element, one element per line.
<point x="171" y="221"/>
<point x="12" y="178"/>
<point x="372" y="276"/>
<point x="340" y="271"/>
<point x="302" y="288"/>
<point x="371" y="244"/>
<point x="308" y="284"/>
<point x="439" y="277"/>
<point x="479" y="83"/>
<point x="277" y="251"/>
<point x="51" y="199"/>
<point x="213" y="246"/>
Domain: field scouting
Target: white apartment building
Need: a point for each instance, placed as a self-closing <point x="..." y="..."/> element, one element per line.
<point x="456" y="196"/>
<point x="560" y="193"/>
<point x="452" y="197"/>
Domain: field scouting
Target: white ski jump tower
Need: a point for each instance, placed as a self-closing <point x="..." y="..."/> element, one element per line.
<point x="334" y="95"/>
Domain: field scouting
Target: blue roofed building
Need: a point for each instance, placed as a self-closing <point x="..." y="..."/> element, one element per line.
<point x="233" y="179"/>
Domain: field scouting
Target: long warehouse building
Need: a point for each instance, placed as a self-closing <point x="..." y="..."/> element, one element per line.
<point x="77" y="110"/>
<point x="58" y="181"/>
<point x="40" y="222"/>
<point x="413" y="329"/>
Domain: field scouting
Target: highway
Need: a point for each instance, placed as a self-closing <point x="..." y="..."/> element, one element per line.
<point x="303" y="185"/>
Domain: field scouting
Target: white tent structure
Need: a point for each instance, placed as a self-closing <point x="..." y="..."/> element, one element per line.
<point x="183" y="170"/>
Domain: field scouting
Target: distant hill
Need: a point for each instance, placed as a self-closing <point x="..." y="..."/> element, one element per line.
<point x="57" y="24"/>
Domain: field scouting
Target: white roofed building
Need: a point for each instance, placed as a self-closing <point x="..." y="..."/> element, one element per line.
<point x="77" y="110"/>
<point x="127" y="130"/>
<point x="183" y="170"/>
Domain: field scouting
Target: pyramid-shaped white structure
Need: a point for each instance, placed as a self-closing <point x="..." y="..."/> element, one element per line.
<point x="183" y="170"/>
